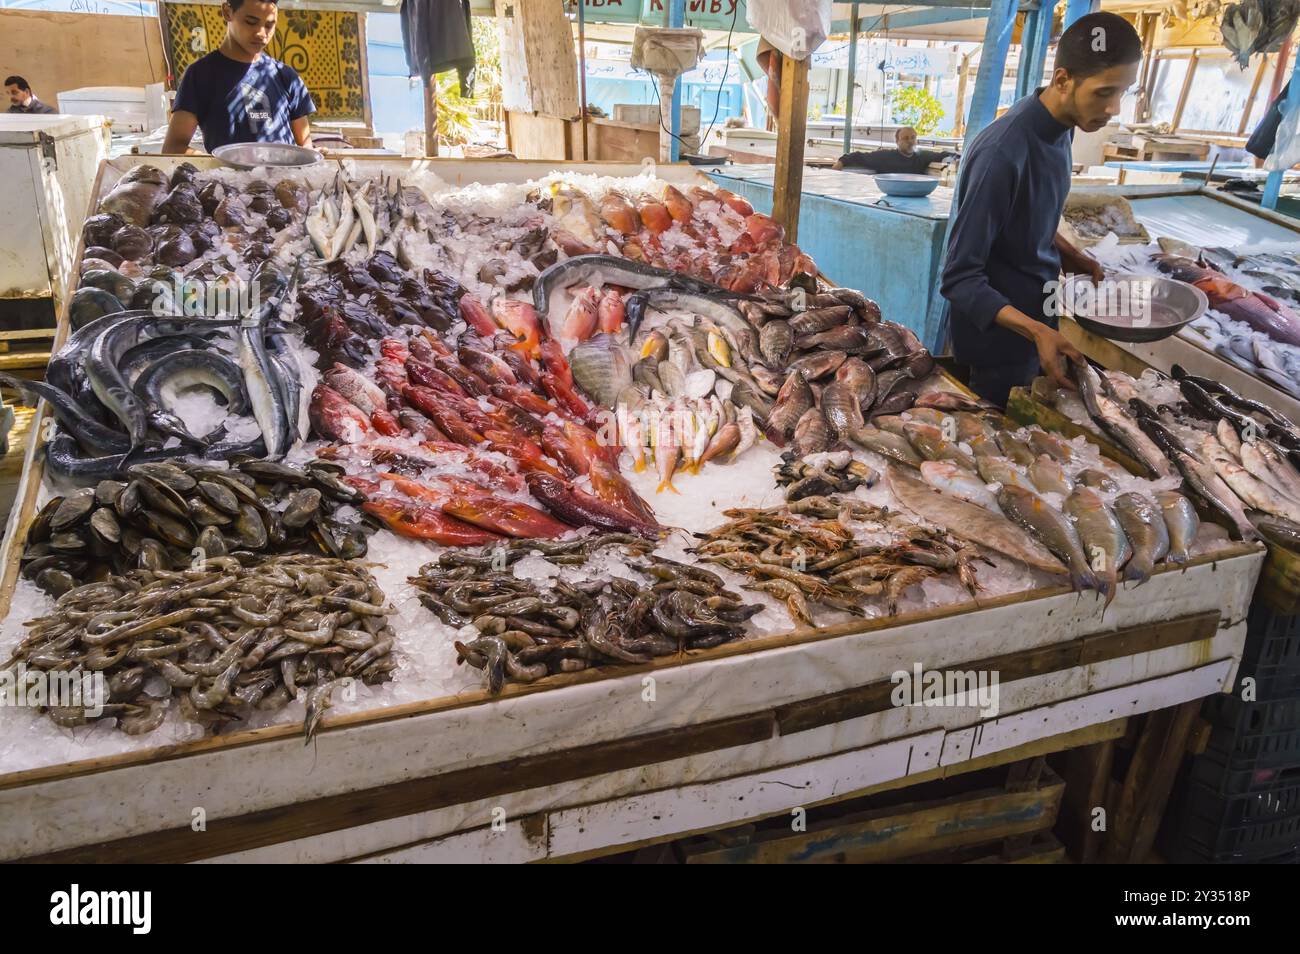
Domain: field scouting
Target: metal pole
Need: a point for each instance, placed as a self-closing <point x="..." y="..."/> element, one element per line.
<point x="1077" y="8"/>
<point x="993" y="64"/>
<point x="676" y="19"/>
<point x="582" y="71"/>
<point x="1028" y="42"/>
<point x="853" y="76"/>
<point x="1042" y="39"/>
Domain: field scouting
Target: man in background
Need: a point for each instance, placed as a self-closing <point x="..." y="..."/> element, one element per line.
<point x="905" y="158"/>
<point x="22" y="99"/>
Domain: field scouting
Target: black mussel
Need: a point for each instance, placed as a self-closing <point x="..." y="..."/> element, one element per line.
<point x="156" y="296"/>
<point x="127" y="503"/>
<point x="106" y="492"/>
<point x="98" y="264"/>
<point x="159" y="497"/>
<point x="185" y="173"/>
<point x="55" y="582"/>
<point x="250" y="529"/>
<point x="87" y="304"/>
<point x="301" y="507"/>
<point x="68" y="542"/>
<point x="181" y="206"/>
<point x="205" y="515"/>
<point x="104" y="525"/>
<point x="228" y="213"/>
<point x="212" y="543"/>
<point x="132" y="242"/>
<point x="273" y="472"/>
<point x="262" y="203"/>
<point x="178" y="251"/>
<point x="99" y="229"/>
<point x="211" y="194"/>
<point x="179" y="533"/>
<point x="166" y="473"/>
<point x="258" y="187"/>
<point x="152" y="555"/>
<point x="219" y="495"/>
<point x="39" y="531"/>
<point x="278" y="218"/>
<point x="104" y="254"/>
<point x="113" y="282"/>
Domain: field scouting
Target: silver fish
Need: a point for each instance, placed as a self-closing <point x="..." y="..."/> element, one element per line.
<point x="1049" y="477"/>
<point x="1103" y="537"/>
<point x="959" y="482"/>
<point x="1051" y="527"/>
<point x="1182" y="522"/>
<point x="886" y="444"/>
<point x="1144" y="525"/>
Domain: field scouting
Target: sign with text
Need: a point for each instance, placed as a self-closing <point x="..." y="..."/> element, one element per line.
<point x="701" y="14"/>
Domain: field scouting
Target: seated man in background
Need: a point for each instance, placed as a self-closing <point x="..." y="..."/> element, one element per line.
<point x="22" y="99"/>
<point x="239" y="92"/>
<point x="905" y="158"/>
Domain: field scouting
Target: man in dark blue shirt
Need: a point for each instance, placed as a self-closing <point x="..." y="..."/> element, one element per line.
<point x="1004" y="256"/>
<point x="238" y="93"/>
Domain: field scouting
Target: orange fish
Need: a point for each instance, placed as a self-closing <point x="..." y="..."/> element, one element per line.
<point x="520" y="319"/>
<point x="678" y="206"/>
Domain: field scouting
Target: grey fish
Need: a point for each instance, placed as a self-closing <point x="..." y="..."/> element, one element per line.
<point x="88" y="432"/>
<point x="614" y="270"/>
<point x="999" y="470"/>
<point x="1049" y="477"/>
<point x="775" y="341"/>
<point x="1144" y="525"/>
<point x="602" y="367"/>
<point x="858" y="374"/>
<point x="972" y="522"/>
<point x="265" y="395"/>
<point x="1103" y="537"/>
<point x="1097" y="480"/>
<point x="1042" y="442"/>
<point x="186" y="369"/>
<point x="795" y="398"/>
<point x="812" y="434"/>
<point x="959" y="482"/>
<point x="1182" y="522"/>
<point x="1056" y="531"/>
<point x="1210" y="487"/>
<point x="1015" y="449"/>
<point x="930" y="444"/>
<point x="840" y="404"/>
<point x="886" y="444"/>
<point x="104" y="371"/>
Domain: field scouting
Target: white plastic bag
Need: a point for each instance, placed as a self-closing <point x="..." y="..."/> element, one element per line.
<point x="1286" y="144"/>
<point x="795" y="27"/>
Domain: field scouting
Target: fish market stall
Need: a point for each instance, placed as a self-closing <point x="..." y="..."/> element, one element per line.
<point x="904" y="236"/>
<point x="558" y="510"/>
<point x="1244" y="258"/>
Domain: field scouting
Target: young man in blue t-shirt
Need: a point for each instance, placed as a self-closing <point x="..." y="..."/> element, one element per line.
<point x="238" y="93"/>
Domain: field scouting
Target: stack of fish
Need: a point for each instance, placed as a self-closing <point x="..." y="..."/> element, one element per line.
<point x="1238" y="457"/>
<point x="527" y="630"/>
<point x="217" y="639"/>
<point x="113" y="385"/>
<point x="157" y="518"/>
<point x="486" y="398"/>
<point x="806" y="553"/>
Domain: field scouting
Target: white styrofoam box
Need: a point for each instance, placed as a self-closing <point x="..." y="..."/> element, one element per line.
<point x="126" y="106"/>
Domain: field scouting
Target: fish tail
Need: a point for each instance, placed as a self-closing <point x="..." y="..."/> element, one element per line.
<point x="666" y="483"/>
<point x="1138" y="571"/>
<point x="639" y="465"/>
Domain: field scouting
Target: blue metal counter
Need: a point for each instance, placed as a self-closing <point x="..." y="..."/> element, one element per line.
<point x="888" y="248"/>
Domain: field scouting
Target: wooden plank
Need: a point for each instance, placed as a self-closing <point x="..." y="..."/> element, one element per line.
<point x="1106" y="353"/>
<point x="898" y="832"/>
<point x="792" y="129"/>
<point x="401" y="798"/>
<point x="1254" y="91"/>
<point x="1147" y="783"/>
<point x="1087" y="773"/>
<point x="513" y="843"/>
<point x="1041" y="848"/>
<point x="1057" y="657"/>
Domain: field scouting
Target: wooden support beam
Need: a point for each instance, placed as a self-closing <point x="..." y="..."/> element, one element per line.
<point x="1254" y="91"/>
<point x="1187" y="88"/>
<point x="791" y="134"/>
<point x="431" y="117"/>
<point x="1150" y="778"/>
<point x="1087" y="774"/>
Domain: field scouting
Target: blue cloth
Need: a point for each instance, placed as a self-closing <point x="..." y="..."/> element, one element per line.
<point x="243" y="102"/>
<point x="1015" y="177"/>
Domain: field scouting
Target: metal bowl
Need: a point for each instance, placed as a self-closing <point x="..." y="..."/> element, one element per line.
<point x="251" y="155"/>
<point x="905" y="183"/>
<point x="1133" y="308"/>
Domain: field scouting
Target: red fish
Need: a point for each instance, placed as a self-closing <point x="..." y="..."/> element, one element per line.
<point x="570" y="244"/>
<point x="424" y="522"/>
<point x="734" y="202"/>
<point x="477" y="506"/>
<point x="394" y="350"/>
<point x="525" y="453"/>
<point x="385" y="423"/>
<point x="523" y="398"/>
<point x="488" y="366"/>
<point x="763" y="228"/>
<point x="520" y="319"/>
<point x="554" y="361"/>
<point x="419" y="425"/>
<point x="612" y="487"/>
<point x="562" y="447"/>
<point x="356" y="387"/>
<point x="619" y="213"/>
<point x="476" y="316"/>
<point x="336" y="418"/>
<point x="427" y="376"/>
<point x="610" y="312"/>
<point x="581" y="320"/>
<point x="581" y="508"/>
<point x="654" y="216"/>
<point x="498" y="474"/>
<point x="678" y="206"/>
<point x="434" y="405"/>
<point x="566" y="396"/>
<point x="522" y="367"/>
<point x="469" y="382"/>
<point x="391" y="374"/>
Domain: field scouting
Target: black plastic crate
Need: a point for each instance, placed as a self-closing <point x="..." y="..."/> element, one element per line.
<point x="1259" y="827"/>
<point x="1267" y="734"/>
<point x="1271" y="655"/>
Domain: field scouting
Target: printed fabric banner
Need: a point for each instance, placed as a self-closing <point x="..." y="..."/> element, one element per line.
<point x="322" y="45"/>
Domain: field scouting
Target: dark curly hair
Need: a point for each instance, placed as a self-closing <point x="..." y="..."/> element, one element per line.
<point x="1096" y="42"/>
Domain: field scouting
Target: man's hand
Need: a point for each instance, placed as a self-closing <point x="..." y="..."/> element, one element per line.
<point x="1054" y="353"/>
<point x="1075" y="261"/>
<point x="1053" y="349"/>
